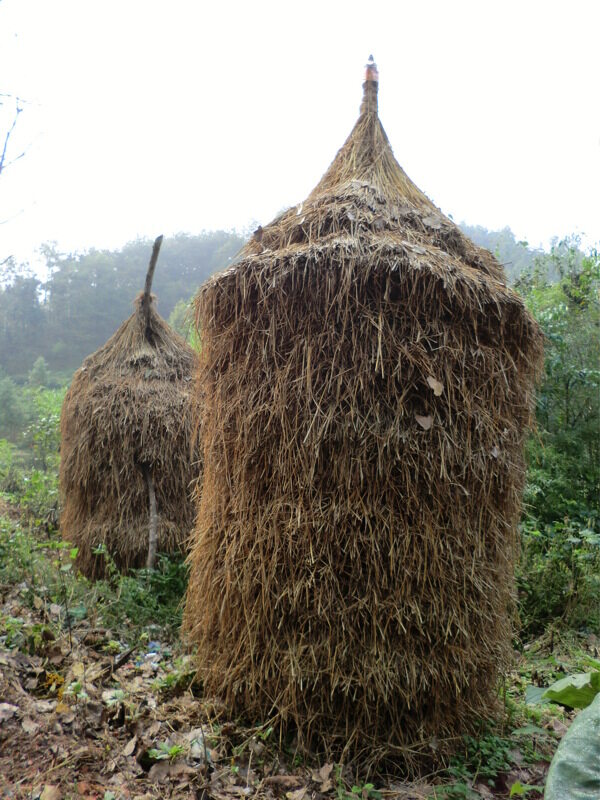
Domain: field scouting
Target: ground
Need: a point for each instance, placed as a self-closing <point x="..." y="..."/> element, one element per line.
<point x="87" y="712"/>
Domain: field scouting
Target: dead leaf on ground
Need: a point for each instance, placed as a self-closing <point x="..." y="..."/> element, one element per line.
<point x="557" y="726"/>
<point x="424" y="422"/>
<point x="29" y="726"/>
<point x="7" y="711"/>
<point x="323" y="777"/>
<point x="297" y="794"/>
<point x="434" y="384"/>
<point x="153" y="729"/>
<point x="483" y="790"/>
<point x="51" y="792"/>
<point x="159" y="772"/>
<point x="285" y="781"/>
<point x="163" y="770"/>
<point x="516" y="756"/>
<point x="129" y="748"/>
<point x="45" y="706"/>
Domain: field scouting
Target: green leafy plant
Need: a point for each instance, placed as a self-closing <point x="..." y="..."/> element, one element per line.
<point x="165" y="751"/>
<point x="519" y="789"/>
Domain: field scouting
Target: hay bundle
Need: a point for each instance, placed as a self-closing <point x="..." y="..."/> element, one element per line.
<point x="367" y="377"/>
<point x="127" y="428"/>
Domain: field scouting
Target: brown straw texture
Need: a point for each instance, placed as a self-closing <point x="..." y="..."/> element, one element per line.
<point x="130" y="407"/>
<point x="367" y="378"/>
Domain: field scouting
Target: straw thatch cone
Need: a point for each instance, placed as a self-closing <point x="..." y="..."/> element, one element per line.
<point x="129" y="414"/>
<point x="367" y="377"/>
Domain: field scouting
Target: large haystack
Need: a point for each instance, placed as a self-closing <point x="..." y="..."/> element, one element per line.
<point x="127" y="426"/>
<point x="367" y="377"/>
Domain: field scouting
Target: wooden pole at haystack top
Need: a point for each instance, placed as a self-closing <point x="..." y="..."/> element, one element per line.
<point x="152" y="512"/>
<point x="149" y="278"/>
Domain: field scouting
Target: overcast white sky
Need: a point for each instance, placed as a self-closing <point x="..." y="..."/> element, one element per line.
<point x="150" y="116"/>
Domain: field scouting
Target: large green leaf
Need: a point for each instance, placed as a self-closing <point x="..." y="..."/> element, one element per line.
<point x="574" y="691"/>
<point x="574" y="773"/>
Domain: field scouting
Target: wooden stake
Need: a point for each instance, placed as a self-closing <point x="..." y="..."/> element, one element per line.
<point x="153" y="526"/>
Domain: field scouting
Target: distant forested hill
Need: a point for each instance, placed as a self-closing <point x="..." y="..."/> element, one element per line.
<point x="513" y="255"/>
<point x="87" y="296"/>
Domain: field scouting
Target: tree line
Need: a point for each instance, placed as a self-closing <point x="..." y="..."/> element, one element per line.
<point x="85" y="297"/>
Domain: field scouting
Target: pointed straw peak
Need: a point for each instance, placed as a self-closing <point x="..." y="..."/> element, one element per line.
<point x="146" y="297"/>
<point x="371" y="71"/>
<point x="370" y="87"/>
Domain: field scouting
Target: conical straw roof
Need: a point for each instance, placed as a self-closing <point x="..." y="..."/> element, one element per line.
<point x="366" y="204"/>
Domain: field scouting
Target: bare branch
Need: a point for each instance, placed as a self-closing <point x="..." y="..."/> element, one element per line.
<point x="3" y="162"/>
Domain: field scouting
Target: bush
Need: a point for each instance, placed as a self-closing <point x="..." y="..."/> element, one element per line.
<point x="559" y="574"/>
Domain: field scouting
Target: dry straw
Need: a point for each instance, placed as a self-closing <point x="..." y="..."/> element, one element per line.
<point x="127" y="423"/>
<point x="368" y="382"/>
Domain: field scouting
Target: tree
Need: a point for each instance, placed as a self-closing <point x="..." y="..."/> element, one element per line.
<point x="11" y="411"/>
<point x="38" y="375"/>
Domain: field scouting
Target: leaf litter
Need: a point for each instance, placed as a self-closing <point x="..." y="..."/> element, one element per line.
<point x="79" y="720"/>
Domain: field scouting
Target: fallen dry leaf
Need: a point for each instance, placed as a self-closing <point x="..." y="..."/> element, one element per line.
<point x="159" y="772"/>
<point x="297" y="794"/>
<point x="323" y="777"/>
<point x="129" y="748"/>
<point x="424" y="422"/>
<point x="29" y="726"/>
<point x="163" y="770"/>
<point x="51" y="792"/>
<point x="45" y="706"/>
<point x="285" y="781"/>
<point x="7" y="711"/>
<point x="153" y="729"/>
<point x="437" y="387"/>
<point x="557" y="726"/>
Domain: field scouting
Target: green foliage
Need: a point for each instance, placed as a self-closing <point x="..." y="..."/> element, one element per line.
<point x="575" y="768"/>
<point x="367" y="792"/>
<point x="143" y="597"/>
<point x="565" y="457"/>
<point x="519" y="789"/>
<point x="12" y="414"/>
<point x="165" y="751"/>
<point x="485" y="757"/>
<point x="574" y="691"/>
<point x="11" y="477"/>
<point x="29" y="463"/>
<point x="42" y="435"/>
<point x="39" y="375"/>
<point x="559" y="574"/>
<point x="181" y="320"/>
<point x="179" y="680"/>
<point x="126" y="604"/>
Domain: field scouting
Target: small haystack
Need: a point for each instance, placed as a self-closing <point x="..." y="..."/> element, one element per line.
<point x="127" y="459"/>
<point x="367" y="377"/>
